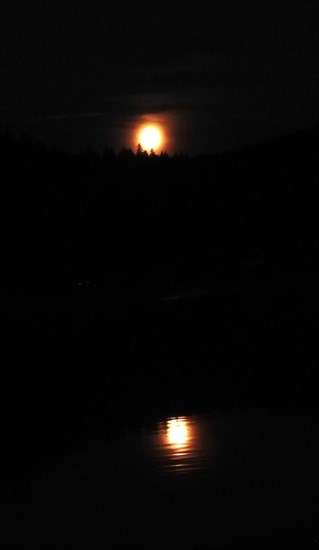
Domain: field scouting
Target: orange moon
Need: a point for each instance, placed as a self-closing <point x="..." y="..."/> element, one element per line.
<point x="150" y="137"/>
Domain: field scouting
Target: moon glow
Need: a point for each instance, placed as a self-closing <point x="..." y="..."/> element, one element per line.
<point x="150" y="137"/>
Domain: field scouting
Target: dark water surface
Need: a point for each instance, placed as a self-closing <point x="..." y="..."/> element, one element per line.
<point x="185" y="422"/>
<point x="226" y="479"/>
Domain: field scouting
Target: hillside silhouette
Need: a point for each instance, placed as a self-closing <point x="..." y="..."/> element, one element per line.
<point x="109" y="220"/>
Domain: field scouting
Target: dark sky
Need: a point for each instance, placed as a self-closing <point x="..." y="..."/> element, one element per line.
<point x="215" y="73"/>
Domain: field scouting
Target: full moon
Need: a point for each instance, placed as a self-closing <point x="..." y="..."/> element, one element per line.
<point x="150" y="137"/>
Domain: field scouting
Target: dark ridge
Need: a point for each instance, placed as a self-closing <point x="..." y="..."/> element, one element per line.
<point x="142" y="220"/>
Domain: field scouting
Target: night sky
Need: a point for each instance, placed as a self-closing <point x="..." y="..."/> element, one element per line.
<point x="216" y="74"/>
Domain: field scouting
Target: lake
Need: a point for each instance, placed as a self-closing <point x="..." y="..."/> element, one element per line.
<point x="232" y="478"/>
<point x="187" y="422"/>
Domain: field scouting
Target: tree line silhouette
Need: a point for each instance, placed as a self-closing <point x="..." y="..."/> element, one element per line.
<point x="139" y="218"/>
